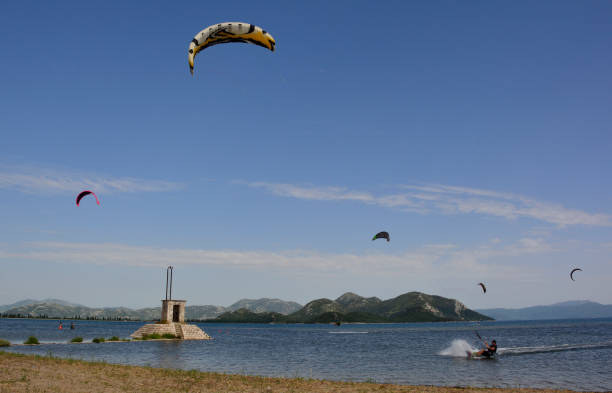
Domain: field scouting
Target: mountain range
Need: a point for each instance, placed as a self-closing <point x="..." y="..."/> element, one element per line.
<point x="55" y="308"/>
<point x="28" y="302"/>
<point x="575" y="309"/>
<point x="350" y="307"/>
<point x="409" y="307"/>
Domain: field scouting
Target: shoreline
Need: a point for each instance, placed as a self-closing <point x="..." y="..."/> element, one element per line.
<point x="24" y="373"/>
<point x="132" y="340"/>
<point x="260" y="322"/>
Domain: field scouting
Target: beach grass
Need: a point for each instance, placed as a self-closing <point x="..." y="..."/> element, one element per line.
<point x="33" y="373"/>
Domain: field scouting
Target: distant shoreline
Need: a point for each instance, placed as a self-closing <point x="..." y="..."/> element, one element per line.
<point x="79" y="319"/>
<point x="231" y="322"/>
<point x="235" y="322"/>
<point x="44" y="373"/>
<point x="306" y="323"/>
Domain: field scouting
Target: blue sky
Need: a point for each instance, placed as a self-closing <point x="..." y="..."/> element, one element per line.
<point x="477" y="133"/>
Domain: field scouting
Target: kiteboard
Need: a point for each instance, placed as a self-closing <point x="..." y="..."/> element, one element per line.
<point x="474" y="356"/>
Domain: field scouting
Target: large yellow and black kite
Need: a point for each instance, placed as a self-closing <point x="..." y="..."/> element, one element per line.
<point x="222" y="33"/>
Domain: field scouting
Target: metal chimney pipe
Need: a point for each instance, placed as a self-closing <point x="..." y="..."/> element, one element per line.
<point x="167" y="280"/>
<point x="171" y="270"/>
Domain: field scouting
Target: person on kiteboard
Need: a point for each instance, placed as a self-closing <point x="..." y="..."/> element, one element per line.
<point x="489" y="350"/>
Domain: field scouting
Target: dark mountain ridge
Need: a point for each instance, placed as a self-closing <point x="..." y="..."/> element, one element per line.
<point x="409" y="307"/>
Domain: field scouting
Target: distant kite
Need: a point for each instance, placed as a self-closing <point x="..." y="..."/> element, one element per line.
<point x="85" y="193"/>
<point x="484" y="289"/>
<point x="222" y="33"/>
<point x="381" y="235"/>
<point x="574" y="271"/>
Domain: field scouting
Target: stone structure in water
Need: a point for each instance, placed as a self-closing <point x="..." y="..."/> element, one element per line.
<point x="172" y="319"/>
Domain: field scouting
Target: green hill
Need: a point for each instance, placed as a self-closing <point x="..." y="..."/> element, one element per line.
<point x="266" y="305"/>
<point x="245" y="316"/>
<point x="314" y="309"/>
<point x="353" y="302"/>
<point x="418" y="307"/>
<point x="409" y="307"/>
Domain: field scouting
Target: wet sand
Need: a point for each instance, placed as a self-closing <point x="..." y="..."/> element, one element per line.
<point x="29" y="373"/>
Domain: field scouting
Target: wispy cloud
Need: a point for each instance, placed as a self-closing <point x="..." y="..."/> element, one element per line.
<point x="428" y="259"/>
<point x="472" y="200"/>
<point x="447" y="200"/>
<point x="29" y="179"/>
<point x="312" y="192"/>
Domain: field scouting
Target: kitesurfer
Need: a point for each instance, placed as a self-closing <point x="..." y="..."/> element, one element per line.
<point x="71" y="325"/>
<point x="489" y="350"/>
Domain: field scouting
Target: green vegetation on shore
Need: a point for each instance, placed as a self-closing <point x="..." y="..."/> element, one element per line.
<point x="245" y="316"/>
<point x="4" y="343"/>
<point x="31" y="341"/>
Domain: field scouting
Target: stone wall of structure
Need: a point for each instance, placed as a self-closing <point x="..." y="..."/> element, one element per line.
<point x="192" y="332"/>
<point x="168" y="325"/>
<point x="155" y="328"/>
<point x="180" y="330"/>
<point x="168" y="310"/>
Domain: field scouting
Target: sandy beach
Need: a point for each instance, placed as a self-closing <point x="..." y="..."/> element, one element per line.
<point x="27" y="373"/>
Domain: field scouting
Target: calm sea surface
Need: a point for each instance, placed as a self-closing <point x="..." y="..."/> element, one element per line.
<point x="572" y="354"/>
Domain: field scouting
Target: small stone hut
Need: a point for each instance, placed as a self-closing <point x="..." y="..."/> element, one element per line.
<point x="172" y="319"/>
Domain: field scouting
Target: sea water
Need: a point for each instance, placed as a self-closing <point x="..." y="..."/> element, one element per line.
<point x="565" y="354"/>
